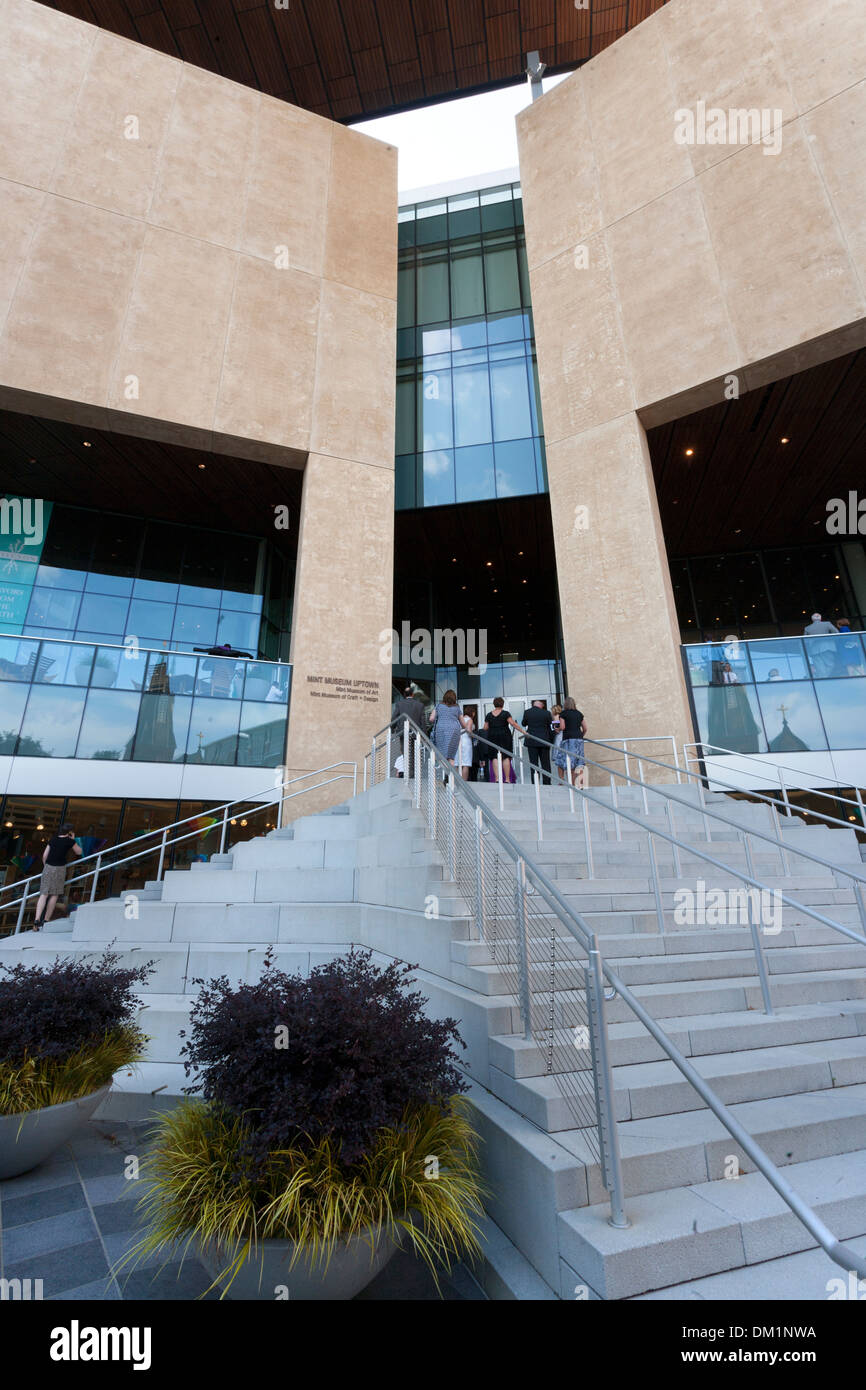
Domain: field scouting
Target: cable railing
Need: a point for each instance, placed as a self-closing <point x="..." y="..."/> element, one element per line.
<point x="536" y="948"/>
<point x="103" y="863"/>
<point x="781" y="769"/>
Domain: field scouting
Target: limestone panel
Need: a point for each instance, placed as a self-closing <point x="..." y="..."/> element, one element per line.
<point x="355" y="376"/>
<point x="631" y="105"/>
<point x="361" y="240"/>
<point x="45" y="59"/>
<point x="266" y="391"/>
<point x="731" y="63"/>
<point x="342" y="605"/>
<point x="823" y="46"/>
<point x="675" y="324"/>
<point x="288" y="187"/>
<point x="582" y="365"/>
<point x="558" y="172"/>
<point x="20" y="207"/>
<point x="206" y="159"/>
<point x="64" y="325"/>
<point x="784" y="266"/>
<point x="618" y="616"/>
<point x="114" y="141"/>
<point x="175" y="331"/>
<point x="837" y="133"/>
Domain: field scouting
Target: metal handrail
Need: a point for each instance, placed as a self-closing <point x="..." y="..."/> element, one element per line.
<point x="841" y="1254"/>
<point x="165" y="843"/>
<point x="774" y="767"/>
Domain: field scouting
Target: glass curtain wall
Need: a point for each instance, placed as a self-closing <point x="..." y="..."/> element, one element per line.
<point x="468" y="416"/>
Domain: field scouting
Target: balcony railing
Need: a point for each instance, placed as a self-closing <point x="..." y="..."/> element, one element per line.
<point x="128" y="703"/>
<point x="780" y="694"/>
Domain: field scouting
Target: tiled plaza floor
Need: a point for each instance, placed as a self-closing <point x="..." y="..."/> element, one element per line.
<point x="70" y="1222"/>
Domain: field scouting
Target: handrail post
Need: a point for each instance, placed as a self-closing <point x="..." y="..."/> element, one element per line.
<point x="452" y="839"/>
<point x="602" y="1076"/>
<point x="570" y="784"/>
<point x="21" y="908"/>
<point x="587" y="838"/>
<point x="678" y="868"/>
<point x="432" y="794"/>
<point x="861" y="807"/>
<point x="161" y="855"/>
<point x="480" y="923"/>
<point x="501" y="797"/>
<point x="660" y="914"/>
<point x="523" y="948"/>
<point x="418" y="771"/>
<point x="782" y="784"/>
<point x="676" y="759"/>
<point x="783" y="853"/>
<point x="95" y="877"/>
<point x="406" y="758"/>
<point x="858" y="894"/>
<point x="615" y="804"/>
<point x="755" y="930"/>
<point x="538" y="816"/>
<point x="373" y="761"/>
<point x="388" y="753"/>
<point x="226" y="821"/>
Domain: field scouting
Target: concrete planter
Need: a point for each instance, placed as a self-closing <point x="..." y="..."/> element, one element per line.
<point x="350" y="1270"/>
<point x="27" y="1140"/>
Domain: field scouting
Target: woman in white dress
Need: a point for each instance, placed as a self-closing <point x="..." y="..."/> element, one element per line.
<point x="464" y="749"/>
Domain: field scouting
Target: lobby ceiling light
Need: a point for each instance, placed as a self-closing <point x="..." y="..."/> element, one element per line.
<point x="202" y="465"/>
<point x="40" y="827"/>
<point x="489" y="563"/>
<point x="87" y="444"/>
<point x="689" y="453"/>
<point x="784" y="439"/>
<point x="9" y="825"/>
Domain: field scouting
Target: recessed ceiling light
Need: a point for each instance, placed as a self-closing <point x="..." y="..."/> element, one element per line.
<point x="737" y="530"/>
<point x="87" y="444"/>
<point x="489" y="563"/>
<point x="689" y="453"/>
<point x="784" y="439"/>
<point x="202" y="465"/>
<point x="40" y="827"/>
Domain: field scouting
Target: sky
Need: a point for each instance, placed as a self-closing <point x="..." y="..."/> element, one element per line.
<point x="455" y="139"/>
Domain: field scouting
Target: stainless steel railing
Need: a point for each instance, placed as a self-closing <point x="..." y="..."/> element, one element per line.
<point x="103" y="863"/>
<point x="856" y="805"/>
<point x="523" y="982"/>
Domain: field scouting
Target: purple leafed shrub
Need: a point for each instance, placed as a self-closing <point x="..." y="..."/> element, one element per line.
<point x="342" y="1053"/>
<point x="52" y="1011"/>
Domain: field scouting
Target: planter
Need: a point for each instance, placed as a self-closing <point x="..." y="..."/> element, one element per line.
<point x="349" y="1270"/>
<point x="28" y="1140"/>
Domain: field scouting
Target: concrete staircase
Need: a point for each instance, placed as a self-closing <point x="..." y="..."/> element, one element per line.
<point x="368" y="874"/>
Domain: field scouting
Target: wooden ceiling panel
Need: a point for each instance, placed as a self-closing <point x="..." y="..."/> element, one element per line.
<point x="309" y="51"/>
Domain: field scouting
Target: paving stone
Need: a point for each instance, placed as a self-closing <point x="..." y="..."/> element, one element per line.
<point x="59" y="1270"/>
<point x="38" y="1206"/>
<point x="46" y="1237"/>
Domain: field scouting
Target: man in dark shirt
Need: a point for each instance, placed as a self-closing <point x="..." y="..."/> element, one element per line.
<point x="536" y="722"/>
<point x="410" y="705"/>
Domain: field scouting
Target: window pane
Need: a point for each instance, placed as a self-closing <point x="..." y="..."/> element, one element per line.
<point x="239" y="631"/>
<point x="17" y="659"/>
<point x="108" y="584"/>
<point x="503" y="281"/>
<point x="467" y="285"/>
<point x="50" y="727"/>
<point x="843" y="704"/>
<point x="262" y="737"/>
<point x="438" y="478"/>
<point x="171" y="675"/>
<point x="512" y="418"/>
<point x="266" y="682"/>
<point x="405" y="434"/>
<point x="163" y="721"/>
<point x="157" y="589"/>
<point x="433" y="304"/>
<point x="12" y="704"/>
<point x="148" y="620"/>
<point x="213" y="732"/>
<point x="109" y="725"/>
<point x="54" y="608"/>
<point x="778" y="660"/>
<point x="202" y="598"/>
<point x="729" y="717"/>
<point x="435" y="410"/>
<point x="474" y="468"/>
<point x="405" y="296"/>
<point x="515" y="468"/>
<point x="220" y="677"/>
<point x="791" y="717"/>
<point x="830" y="656"/>
<point x="405" y="488"/>
<point x="119" y="668"/>
<point x="472" y="423"/>
<point x="195" y="625"/>
<point x="472" y="333"/>
<point x="104" y="613"/>
<point x="63" y="663"/>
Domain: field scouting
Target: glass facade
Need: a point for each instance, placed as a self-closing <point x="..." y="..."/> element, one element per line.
<point x="518" y="682"/>
<point x="784" y="695"/>
<point x="131" y="704"/>
<point x="468" y="414"/>
<point x="104" y="577"/>
<point x="769" y="593"/>
<point x="28" y="822"/>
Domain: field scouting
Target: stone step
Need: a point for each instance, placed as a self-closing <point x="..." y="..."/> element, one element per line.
<point x="646" y="1089"/>
<point x="810" y="1276"/>
<point x="688" y="1233"/>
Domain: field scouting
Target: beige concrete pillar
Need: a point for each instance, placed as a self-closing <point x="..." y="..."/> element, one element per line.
<point x="341" y="690"/>
<point x="618" y="615"/>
